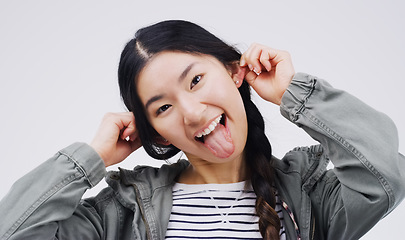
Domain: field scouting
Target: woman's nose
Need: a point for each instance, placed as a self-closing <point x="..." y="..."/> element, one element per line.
<point x="192" y="110"/>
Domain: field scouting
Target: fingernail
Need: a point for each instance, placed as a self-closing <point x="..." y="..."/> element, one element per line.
<point x="257" y="72"/>
<point x="250" y="67"/>
<point x="242" y="62"/>
<point x="268" y="67"/>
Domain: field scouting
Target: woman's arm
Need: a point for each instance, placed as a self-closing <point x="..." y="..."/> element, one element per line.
<point x="38" y="203"/>
<point x="361" y="142"/>
<point x="46" y="202"/>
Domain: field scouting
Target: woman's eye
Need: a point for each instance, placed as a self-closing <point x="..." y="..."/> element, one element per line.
<point x="162" y="109"/>
<point x="195" y="80"/>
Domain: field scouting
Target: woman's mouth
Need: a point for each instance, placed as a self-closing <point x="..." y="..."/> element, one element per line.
<point x="217" y="137"/>
<point x="200" y="136"/>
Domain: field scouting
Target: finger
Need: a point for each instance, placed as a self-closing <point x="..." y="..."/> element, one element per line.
<point x="252" y="58"/>
<point x="245" y="56"/>
<point x="245" y="70"/>
<point x="129" y="131"/>
<point x="251" y="77"/>
<point x="277" y="56"/>
<point x="129" y="134"/>
<point x="132" y="137"/>
<point x="265" y="60"/>
<point x="242" y="61"/>
<point x="121" y="124"/>
<point x="259" y="56"/>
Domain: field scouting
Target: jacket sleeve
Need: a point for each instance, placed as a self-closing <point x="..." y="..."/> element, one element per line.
<point x="368" y="180"/>
<point x="45" y="203"/>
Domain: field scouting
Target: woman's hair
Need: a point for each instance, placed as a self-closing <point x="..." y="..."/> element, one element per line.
<point x="183" y="36"/>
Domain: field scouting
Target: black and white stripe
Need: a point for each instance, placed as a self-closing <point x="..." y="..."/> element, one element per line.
<point x="215" y="211"/>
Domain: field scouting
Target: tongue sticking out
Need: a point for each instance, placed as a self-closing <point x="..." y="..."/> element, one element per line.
<point x="219" y="142"/>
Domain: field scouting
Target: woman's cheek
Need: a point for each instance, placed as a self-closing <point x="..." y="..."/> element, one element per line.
<point x="169" y="127"/>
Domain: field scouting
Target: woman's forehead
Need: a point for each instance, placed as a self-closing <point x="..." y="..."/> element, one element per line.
<point x="168" y="62"/>
<point x="172" y="65"/>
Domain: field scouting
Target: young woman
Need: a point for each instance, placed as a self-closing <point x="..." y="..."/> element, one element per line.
<point x="186" y="90"/>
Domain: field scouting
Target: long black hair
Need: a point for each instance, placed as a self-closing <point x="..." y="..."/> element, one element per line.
<point x="184" y="36"/>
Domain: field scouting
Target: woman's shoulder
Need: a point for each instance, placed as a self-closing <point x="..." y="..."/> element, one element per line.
<point x="301" y="160"/>
<point x="121" y="183"/>
<point x="302" y="165"/>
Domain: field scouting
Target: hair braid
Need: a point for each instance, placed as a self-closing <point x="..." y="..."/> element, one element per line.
<point x="258" y="157"/>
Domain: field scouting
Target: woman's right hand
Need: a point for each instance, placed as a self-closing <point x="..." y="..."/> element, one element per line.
<point x="116" y="137"/>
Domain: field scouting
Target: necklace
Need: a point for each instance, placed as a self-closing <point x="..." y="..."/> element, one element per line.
<point x="224" y="216"/>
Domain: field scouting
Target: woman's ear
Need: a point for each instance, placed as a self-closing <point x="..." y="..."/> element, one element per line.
<point x="238" y="73"/>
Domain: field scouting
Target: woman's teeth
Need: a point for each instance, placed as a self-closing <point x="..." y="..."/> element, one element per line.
<point x="210" y="128"/>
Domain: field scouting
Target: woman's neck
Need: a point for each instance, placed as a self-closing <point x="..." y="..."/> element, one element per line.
<point x="202" y="172"/>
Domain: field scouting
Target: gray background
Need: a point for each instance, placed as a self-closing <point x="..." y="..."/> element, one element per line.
<point x="58" y="64"/>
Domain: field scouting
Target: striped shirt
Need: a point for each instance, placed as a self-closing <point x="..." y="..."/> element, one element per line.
<point x="216" y="211"/>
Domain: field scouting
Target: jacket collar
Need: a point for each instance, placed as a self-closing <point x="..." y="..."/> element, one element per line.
<point x="144" y="178"/>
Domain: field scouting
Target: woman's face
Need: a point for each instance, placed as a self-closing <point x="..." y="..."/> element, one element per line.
<point x="193" y="102"/>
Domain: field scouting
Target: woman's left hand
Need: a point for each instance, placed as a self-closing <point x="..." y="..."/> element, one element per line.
<point x="270" y="71"/>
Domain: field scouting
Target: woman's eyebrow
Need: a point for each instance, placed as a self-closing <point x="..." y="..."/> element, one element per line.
<point x="186" y="71"/>
<point x="153" y="99"/>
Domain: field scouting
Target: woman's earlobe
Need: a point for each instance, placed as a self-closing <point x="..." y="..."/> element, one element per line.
<point x="238" y="83"/>
<point x="238" y="75"/>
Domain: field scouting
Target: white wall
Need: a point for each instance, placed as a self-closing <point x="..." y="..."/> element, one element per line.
<point x="58" y="64"/>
